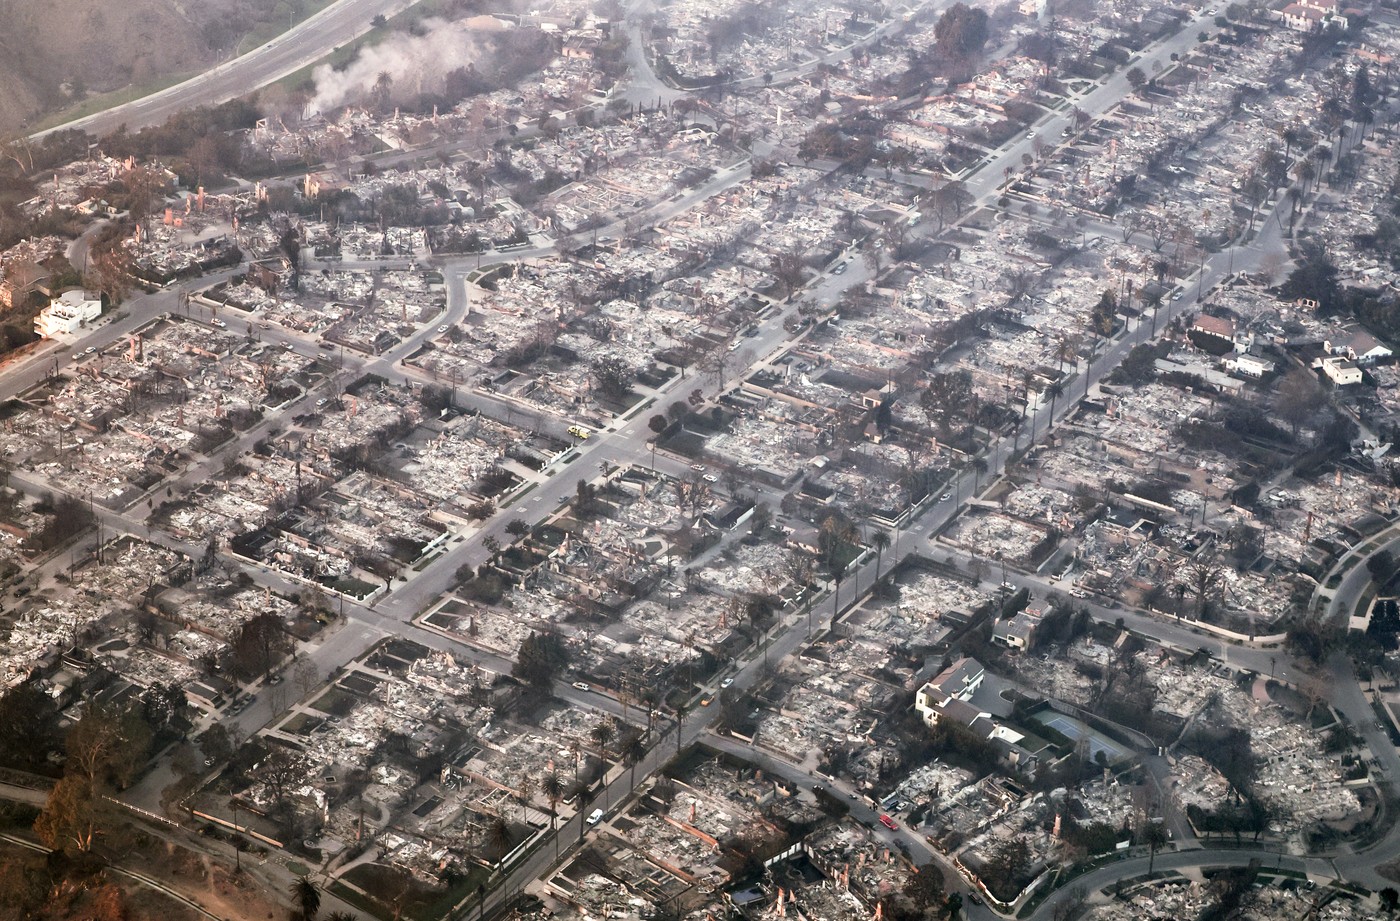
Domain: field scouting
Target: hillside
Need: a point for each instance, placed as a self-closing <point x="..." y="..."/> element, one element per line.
<point x="53" y="50"/>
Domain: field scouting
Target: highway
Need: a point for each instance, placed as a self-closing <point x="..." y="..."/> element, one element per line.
<point x="305" y="43"/>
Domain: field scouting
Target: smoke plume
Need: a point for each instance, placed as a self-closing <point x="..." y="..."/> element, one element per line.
<point x="414" y="63"/>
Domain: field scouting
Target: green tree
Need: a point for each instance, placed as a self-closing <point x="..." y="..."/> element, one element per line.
<point x="924" y="888"/>
<point x="961" y="31"/>
<point x="30" y="719"/>
<point x="1315" y="279"/>
<point x="946" y="398"/>
<point x="107" y="746"/>
<point x="282" y="771"/>
<point x="542" y="657"/>
<point x="258" y="645"/>
<point x="1381" y="566"/>
<point x="1298" y="398"/>
<point x="217" y="744"/>
<point x="612" y="377"/>
<point x="658" y="425"/>
<point x="1006" y="866"/>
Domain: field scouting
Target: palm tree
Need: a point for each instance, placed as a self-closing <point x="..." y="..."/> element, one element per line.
<point x="498" y="836"/>
<point x="583" y="796"/>
<point x="1153" y="299"/>
<point x="979" y="467"/>
<point x="1305" y="171"/>
<point x="553" y="789"/>
<point x="838" y="572"/>
<point x="633" y="751"/>
<point x="524" y="790"/>
<point x="680" y="721"/>
<point x="552" y="786"/>
<point x="649" y="697"/>
<point x="383" y="86"/>
<point x="1055" y="390"/>
<point x="342" y="916"/>
<point x="1290" y="135"/>
<point x="575" y="749"/>
<point x="880" y="540"/>
<point x="307" y="898"/>
<point x="1066" y="347"/>
<point x="1027" y="380"/>
<point x="1155" y="836"/>
<point x="603" y="734"/>
<point x="1294" y="196"/>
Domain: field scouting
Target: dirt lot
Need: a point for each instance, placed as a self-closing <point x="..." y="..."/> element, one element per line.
<point x="28" y="880"/>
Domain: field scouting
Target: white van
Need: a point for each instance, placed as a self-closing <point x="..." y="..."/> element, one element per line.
<point x="595" y="816"/>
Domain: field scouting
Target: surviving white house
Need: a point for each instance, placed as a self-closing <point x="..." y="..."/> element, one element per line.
<point x="68" y="313"/>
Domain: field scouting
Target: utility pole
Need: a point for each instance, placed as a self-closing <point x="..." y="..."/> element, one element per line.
<point x="237" y="839"/>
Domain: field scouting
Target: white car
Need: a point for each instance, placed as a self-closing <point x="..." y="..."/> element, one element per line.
<point x="581" y="686"/>
<point x="726" y="682"/>
<point x="710" y="478"/>
<point x="442" y="328"/>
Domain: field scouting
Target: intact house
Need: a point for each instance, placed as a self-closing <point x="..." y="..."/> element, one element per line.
<point x="1252" y="364"/>
<point x="1213" y="334"/>
<point x="1357" y="345"/>
<point x="1017" y="632"/>
<point x="1314" y="15"/>
<point x="948" y="693"/>
<point x="1342" y="372"/>
<point x="73" y="310"/>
